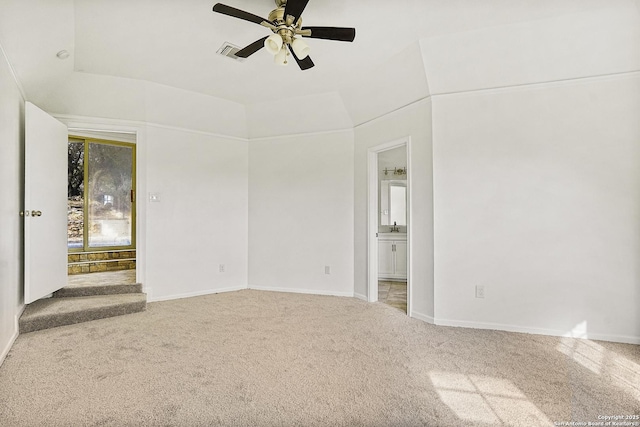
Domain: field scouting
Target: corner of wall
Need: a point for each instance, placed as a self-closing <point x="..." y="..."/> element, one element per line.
<point x="424" y="317"/>
<point x="7" y="347"/>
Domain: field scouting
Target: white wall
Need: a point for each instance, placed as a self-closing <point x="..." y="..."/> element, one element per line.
<point x="192" y="149"/>
<point x="11" y="190"/>
<point x="201" y="219"/>
<point x="413" y="121"/>
<point x="301" y="213"/>
<point x="107" y="97"/>
<point x="537" y="197"/>
<point x="308" y="114"/>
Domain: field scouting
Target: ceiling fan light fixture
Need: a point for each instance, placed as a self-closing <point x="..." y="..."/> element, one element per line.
<point x="300" y="48"/>
<point x="273" y="44"/>
<point x="285" y="23"/>
<point x="281" y="57"/>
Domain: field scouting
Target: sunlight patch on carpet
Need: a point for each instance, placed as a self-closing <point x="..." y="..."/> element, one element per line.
<point x="597" y="359"/>
<point x="586" y="353"/>
<point x="479" y="398"/>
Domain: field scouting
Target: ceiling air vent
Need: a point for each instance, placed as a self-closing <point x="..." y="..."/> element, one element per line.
<point x="229" y="50"/>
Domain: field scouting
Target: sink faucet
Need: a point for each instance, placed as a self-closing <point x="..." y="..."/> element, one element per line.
<point x="395" y="228"/>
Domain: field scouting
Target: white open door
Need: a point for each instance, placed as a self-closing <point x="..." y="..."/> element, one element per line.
<point x="45" y="204"/>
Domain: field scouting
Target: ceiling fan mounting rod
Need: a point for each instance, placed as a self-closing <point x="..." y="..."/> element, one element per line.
<point x="285" y="27"/>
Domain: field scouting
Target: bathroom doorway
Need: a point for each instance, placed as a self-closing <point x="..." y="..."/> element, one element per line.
<point x="389" y="201"/>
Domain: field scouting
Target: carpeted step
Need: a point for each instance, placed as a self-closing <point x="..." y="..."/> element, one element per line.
<point x="85" y="290"/>
<point x="53" y="312"/>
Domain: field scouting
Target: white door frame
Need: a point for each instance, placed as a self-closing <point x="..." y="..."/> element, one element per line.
<point x="372" y="218"/>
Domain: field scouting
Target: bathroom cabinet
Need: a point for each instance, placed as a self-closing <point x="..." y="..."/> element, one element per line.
<point x="392" y="256"/>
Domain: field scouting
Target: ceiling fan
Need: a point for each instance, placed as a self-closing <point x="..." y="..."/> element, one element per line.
<point x="286" y="24"/>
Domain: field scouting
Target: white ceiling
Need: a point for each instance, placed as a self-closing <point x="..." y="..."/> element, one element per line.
<point x="403" y="51"/>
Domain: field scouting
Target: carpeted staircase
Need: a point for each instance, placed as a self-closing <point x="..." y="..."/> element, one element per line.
<point x="88" y="297"/>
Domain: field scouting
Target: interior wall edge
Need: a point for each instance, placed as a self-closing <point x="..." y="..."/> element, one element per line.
<point x="299" y="135"/>
<point x="360" y="296"/>
<point x="499" y="89"/>
<point x="421" y="47"/>
<point x="422" y="317"/>
<point x="14" y="337"/>
<point x="70" y="120"/>
<point x="127" y="125"/>
<point x="545" y="84"/>
<point x="9" y="345"/>
<point x="392" y="112"/>
<point x="13" y="73"/>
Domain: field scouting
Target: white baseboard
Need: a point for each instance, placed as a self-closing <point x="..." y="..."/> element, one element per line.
<point x="360" y="296"/>
<point x="613" y="338"/>
<point x="423" y="317"/>
<point x="195" y="294"/>
<point x="537" y="331"/>
<point x="301" y="291"/>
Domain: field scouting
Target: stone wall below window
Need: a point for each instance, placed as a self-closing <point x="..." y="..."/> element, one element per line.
<point x="93" y="262"/>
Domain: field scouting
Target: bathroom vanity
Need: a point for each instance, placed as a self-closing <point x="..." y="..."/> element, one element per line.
<point x="392" y="256"/>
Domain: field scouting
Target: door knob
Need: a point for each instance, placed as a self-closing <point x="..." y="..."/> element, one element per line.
<point x="36" y="213"/>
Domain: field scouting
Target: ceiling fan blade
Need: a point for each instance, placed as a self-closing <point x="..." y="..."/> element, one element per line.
<point x="237" y="13"/>
<point x="305" y="63"/>
<point x="332" y="33"/>
<point x="295" y="8"/>
<point x="252" y="48"/>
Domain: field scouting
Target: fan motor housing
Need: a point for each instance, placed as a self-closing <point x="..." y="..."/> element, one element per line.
<point x="277" y="15"/>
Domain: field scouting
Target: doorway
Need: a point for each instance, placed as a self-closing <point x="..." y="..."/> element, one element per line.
<point x="101" y="206"/>
<point x="389" y="230"/>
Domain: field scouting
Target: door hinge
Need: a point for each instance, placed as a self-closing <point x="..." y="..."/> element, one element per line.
<point x="133" y="196"/>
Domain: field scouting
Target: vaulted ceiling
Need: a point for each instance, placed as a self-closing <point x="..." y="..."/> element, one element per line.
<point x="403" y="51"/>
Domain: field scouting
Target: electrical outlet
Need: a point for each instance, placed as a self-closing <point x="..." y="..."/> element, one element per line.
<point x="479" y="291"/>
<point x="221" y="268"/>
<point x="327" y="269"/>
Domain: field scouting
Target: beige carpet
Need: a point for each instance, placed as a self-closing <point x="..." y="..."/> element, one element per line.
<point x="252" y="358"/>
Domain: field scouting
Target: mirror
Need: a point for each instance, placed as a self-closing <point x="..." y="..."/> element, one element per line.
<point x="393" y="202"/>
